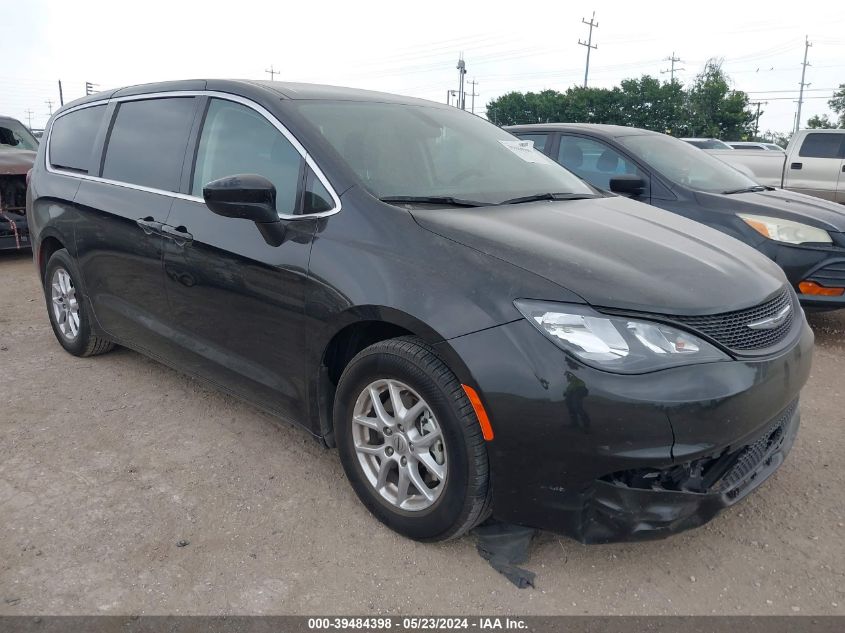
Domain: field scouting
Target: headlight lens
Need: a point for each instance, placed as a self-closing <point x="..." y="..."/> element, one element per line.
<point x="787" y="231"/>
<point x="617" y="344"/>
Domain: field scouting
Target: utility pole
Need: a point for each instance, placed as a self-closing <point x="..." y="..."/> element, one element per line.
<point x="49" y="103"/>
<point x="28" y="118"/>
<point x="589" y="44"/>
<point x="272" y="72"/>
<point x="61" y="96"/>
<point x="757" y="116"/>
<point x="449" y="95"/>
<point x="473" y="94"/>
<point x="671" y="70"/>
<point x="462" y="70"/>
<point x="804" y="65"/>
<point x="89" y="88"/>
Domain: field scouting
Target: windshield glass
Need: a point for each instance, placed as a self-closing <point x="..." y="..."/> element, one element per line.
<point x="416" y="151"/>
<point x="14" y="134"/>
<point x="682" y="163"/>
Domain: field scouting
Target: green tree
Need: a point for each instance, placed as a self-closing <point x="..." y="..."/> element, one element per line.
<point x="714" y="108"/>
<point x="837" y="104"/>
<point x="820" y="122"/>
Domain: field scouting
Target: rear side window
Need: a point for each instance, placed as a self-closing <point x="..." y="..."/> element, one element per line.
<point x="821" y="145"/>
<point x="72" y="138"/>
<point x="147" y="142"/>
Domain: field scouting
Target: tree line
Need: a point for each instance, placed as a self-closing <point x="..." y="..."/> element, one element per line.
<point x="708" y="107"/>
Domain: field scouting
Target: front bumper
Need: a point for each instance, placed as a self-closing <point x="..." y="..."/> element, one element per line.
<point x="14" y="232"/>
<point x="576" y="449"/>
<point x="823" y="265"/>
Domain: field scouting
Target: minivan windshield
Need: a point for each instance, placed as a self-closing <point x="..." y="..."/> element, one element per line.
<point x="14" y="134"/>
<point x="686" y="165"/>
<point x="418" y="153"/>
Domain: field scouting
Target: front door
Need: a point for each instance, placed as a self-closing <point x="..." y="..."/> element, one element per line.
<point x="237" y="303"/>
<point x="818" y="166"/>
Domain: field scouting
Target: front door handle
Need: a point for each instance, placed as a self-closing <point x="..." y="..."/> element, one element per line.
<point x="149" y="225"/>
<point x="178" y="234"/>
<point x="796" y="165"/>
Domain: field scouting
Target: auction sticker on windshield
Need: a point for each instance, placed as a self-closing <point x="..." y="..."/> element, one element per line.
<point x="525" y="150"/>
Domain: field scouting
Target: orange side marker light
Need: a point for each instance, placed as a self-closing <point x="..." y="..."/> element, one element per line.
<point x="483" y="420"/>
<point x="812" y="288"/>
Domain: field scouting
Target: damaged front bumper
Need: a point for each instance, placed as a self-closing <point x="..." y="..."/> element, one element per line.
<point x="604" y="457"/>
<point x="14" y="232"/>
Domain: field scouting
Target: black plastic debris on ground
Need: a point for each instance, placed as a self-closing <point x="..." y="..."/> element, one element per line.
<point x="505" y="546"/>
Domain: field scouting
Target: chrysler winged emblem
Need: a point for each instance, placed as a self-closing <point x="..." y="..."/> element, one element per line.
<point x="771" y="322"/>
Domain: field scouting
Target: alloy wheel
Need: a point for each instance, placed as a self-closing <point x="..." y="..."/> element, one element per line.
<point x="400" y="445"/>
<point x="65" y="304"/>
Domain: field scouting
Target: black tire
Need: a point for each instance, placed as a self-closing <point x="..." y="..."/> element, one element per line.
<point x="84" y="343"/>
<point x="465" y="499"/>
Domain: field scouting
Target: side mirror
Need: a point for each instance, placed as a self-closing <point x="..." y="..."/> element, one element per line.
<point x="249" y="197"/>
<point x="627" y="184"/>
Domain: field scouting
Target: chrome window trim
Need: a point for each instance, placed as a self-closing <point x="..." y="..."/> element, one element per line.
<point x="184" y="196"/>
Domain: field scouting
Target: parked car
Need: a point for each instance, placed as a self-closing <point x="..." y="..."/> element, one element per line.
<point x="814" y="163"/>
<point x="707" y="143"/>
<point x="801" y="233"/>
<point x="476" y="329"/>
<point x="769" y="147"/>
<point x="17" y="154"/>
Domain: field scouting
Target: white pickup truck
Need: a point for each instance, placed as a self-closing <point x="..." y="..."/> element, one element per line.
<point x="814" y="164"/>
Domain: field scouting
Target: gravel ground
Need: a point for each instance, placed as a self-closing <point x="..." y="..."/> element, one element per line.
<point x="107" y="463"/>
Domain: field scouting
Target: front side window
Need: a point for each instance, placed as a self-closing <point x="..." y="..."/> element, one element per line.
<point x="72" y="138"/>
<point x="14" y="134"/>
<point x="147" y="142"/>
<point x="821" y="145"/>
<point x="594" y="161"/>
<point x="413" y="151"/>
<point x="238" y="140"/>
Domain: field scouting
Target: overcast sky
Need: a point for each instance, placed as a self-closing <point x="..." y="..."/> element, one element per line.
<point x="411" y="47"/>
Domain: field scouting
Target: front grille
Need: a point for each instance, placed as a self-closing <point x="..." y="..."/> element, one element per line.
<point x="731" y="328"/>
<point x="832" y="275"/>
<point x="747" y="461"/>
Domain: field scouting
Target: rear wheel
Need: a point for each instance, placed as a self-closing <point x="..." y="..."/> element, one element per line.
<point x="409" y="441"/>
<point x="67" y="308"/>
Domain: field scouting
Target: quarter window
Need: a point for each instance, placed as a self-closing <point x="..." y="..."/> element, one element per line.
<point x="593" y="161"/>
<point x="147" y="142"/>
<point x="238" y="140"/>
<point x="821" y="145"/>
<point x="72" y="138"/>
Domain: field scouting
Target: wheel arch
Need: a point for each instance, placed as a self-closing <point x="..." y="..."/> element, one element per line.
<point x="353" y="331"/>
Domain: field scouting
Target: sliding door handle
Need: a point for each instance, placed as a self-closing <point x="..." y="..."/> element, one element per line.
<point x="178" y="234"/>
<point x="149" y="225"/>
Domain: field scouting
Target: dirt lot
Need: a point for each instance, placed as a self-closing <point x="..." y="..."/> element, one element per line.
<point x="107" y="463"/>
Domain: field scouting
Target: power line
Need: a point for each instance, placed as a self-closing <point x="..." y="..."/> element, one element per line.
<point x="272" y="72"/>
<point x="589" y="44"/>
<point x="804" y="65"/>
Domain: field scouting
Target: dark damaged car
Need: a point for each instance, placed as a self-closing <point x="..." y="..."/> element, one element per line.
<point x="478" y="331"/>
<point x="17" y="155"/>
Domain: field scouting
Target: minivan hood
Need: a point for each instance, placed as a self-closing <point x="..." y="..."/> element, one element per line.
<point x="786" y="204"/>
<point x="617" y="253"/>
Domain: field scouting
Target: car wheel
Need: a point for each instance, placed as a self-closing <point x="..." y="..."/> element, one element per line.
<point x="410" y="442"/>
<point x="68" y="309"/>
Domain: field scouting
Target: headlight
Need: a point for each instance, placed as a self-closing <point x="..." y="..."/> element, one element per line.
<point x="787" y="231"/>
<point x="617" y="344"/>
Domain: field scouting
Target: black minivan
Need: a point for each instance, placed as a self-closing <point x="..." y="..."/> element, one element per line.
<point x="804" y="234"/>
<point x="478" y="331"/>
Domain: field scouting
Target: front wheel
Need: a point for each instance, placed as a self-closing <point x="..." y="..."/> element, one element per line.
<point x="410" y="443"/>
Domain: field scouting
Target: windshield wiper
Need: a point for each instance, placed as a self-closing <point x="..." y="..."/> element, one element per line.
<point x="745" y="190"/>
<point x="550" y="196"/>
<point x="447" y="200"/>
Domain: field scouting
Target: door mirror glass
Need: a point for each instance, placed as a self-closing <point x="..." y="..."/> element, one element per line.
<point x="247" y="196"/>
<point x="627" y="184"/>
